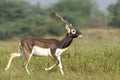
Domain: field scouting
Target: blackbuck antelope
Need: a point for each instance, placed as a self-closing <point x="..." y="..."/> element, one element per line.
<point x="46" y="47"/>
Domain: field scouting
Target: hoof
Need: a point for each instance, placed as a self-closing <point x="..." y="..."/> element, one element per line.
<point x="6" y="69"/>
<point x="47" y="69"/>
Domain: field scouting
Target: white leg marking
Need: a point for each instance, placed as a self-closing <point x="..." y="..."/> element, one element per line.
<point x="13" y="55"/>
<point x="60" y="65"/>
<point x="26" y="69"/>
<point x="47" y="69"/>
<point x="51" y="66"/>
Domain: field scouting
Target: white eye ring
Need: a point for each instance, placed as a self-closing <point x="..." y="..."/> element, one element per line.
<point x="73" y="31"/>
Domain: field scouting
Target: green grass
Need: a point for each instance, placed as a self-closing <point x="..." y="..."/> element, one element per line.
<point x="96" y="56"/>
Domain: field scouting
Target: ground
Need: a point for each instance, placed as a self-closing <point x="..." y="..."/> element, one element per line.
<point x="96" y="56"/>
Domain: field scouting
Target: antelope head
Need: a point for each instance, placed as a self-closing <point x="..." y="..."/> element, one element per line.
<point x="70" y="29"/>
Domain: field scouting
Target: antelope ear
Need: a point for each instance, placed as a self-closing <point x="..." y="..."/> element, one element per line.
<point x="67" y="28"/>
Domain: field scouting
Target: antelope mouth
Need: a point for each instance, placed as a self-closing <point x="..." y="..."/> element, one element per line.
<point x="80" y="36"/>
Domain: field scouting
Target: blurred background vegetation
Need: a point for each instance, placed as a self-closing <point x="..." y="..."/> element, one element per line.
<point x="20" y="18"/>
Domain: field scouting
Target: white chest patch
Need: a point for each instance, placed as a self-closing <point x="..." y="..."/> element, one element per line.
<point x="37" y="51"/>
<point x="60" y="51"/>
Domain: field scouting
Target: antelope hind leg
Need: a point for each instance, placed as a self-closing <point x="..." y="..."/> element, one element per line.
<point x="25" y="63"/>
<point x="13" y="55"/>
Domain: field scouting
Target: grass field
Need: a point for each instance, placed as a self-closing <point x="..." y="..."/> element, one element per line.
<point x="96" y="56"/>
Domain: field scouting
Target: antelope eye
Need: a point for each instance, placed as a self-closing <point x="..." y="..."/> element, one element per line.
<point x="73" y="31"/>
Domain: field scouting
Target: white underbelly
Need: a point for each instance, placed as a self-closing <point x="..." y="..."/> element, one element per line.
<point x="37" y="51"/>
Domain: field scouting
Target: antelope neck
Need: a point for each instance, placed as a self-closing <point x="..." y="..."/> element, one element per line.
<point x="66" y="41"/>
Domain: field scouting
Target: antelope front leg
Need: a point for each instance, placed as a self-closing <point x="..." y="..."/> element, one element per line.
<point x="47" y="69"/>
<point x="60" y="65"/>
<point x="57" y="62"/>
